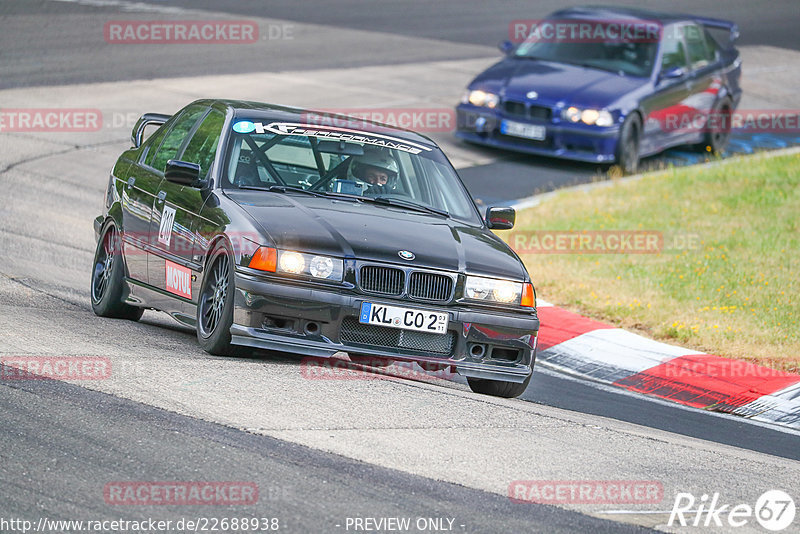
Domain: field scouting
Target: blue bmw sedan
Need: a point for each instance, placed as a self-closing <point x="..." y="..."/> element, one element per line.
<point x="608" y="85"/>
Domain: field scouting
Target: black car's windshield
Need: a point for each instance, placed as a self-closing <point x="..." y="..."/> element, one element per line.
<point x="626" y="55"/>
<point x="342" y="162"/>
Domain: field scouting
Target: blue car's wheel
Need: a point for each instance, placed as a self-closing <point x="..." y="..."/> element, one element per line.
<point x="719" y="133"/>
<point x="628" y="146"/>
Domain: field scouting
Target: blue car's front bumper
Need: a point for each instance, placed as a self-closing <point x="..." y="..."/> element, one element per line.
<point x="570" y="141"/>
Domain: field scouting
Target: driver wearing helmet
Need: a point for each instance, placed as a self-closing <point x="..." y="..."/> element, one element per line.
<point x="377" y="168"/>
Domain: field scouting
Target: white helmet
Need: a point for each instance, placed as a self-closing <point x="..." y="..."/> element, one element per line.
<point x="379" y="159"/>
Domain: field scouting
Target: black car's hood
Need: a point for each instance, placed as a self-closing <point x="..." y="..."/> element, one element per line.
<point x="377" y="233"/>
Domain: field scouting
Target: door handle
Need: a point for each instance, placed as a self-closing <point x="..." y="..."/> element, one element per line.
<point x="131" y="181"/>
<point x="161" y="196"/>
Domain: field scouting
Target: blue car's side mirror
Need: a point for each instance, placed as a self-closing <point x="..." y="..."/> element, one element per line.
<point x="506" y="47"/>
<point x="673" y="73"/>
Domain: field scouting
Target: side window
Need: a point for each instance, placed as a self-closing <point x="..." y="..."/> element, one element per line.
<point x="153" y="142"/>
<point x="203" y="146"/>
<point x="673" y="53"/>
<point x="700" y="53"/>
<point x="174" y="139"/>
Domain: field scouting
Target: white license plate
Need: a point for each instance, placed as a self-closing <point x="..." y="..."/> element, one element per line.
<point x="518" y="129"/>
<point x="405" y="318"/>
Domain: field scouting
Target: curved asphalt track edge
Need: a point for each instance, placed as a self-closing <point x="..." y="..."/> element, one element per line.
<point x="94" y="428"/>
<point x="577" y="345"/>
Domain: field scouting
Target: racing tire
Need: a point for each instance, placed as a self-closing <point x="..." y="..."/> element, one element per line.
<point x="716" y="139"/>
<point x="108" y="284"/>
<point x="628" y="146"/>
<point x="498" y="388"/>
<point x="215" y="304"/>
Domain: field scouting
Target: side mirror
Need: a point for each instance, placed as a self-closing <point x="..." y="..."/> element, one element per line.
<point x="183" y="173"/>
<point x="148" y="119"/>
<point x="673" y="73"/>
<point x="500" y="218"/>
<point x="506" y="47"/>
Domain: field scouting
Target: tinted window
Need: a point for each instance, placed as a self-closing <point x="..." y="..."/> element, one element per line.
<point x="174" y="139"/>
<point x="203" y="145"/>
<point x="673" y="51"/>
<point x="153" y="142"/>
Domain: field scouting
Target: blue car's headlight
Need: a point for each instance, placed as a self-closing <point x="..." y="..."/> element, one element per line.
<point x="598" y="117"/>
<point x="481" y="98"/>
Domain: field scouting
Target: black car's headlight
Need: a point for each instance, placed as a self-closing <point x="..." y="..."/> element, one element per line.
<point x="499" y="291"/>
<point x="481" y="98"/>
<point x="598" y="117"/>
<point x="297" y="263"/>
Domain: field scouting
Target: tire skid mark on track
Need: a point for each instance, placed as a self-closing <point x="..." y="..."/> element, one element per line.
<point x="25" y="282"/>
<point x="47" y="241"/>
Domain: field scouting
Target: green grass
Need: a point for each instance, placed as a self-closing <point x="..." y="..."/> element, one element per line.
<point x="726" y="280"/>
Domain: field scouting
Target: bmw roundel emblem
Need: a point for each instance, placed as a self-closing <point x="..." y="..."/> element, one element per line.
<point x="406" y="255"/>
<point x="533" y="95"/>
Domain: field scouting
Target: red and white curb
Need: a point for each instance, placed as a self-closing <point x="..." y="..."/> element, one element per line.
<point x="581" y="346"/>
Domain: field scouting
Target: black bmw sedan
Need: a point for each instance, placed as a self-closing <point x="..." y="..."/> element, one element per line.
<point x="275" y="228"/>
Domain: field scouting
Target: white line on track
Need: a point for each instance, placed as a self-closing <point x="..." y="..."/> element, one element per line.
<point x="136" y="7"/>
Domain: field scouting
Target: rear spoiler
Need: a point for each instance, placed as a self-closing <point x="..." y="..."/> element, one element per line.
<point x="145" y="120"/>
<point x="719" y="24"/>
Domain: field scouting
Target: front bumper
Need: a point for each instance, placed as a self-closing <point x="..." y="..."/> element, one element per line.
<point x="320" y="322"/>
<point x="562" y="140"/>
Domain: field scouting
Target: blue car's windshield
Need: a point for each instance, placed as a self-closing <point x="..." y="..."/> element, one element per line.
<point x="629" y="57"/>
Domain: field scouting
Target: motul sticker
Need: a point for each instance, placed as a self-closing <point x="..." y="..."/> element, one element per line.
<point x="165" y="228"/>
<point x="179" y="279"/>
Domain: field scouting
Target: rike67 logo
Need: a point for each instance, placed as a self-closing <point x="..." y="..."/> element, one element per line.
<point x="774" y="510"/>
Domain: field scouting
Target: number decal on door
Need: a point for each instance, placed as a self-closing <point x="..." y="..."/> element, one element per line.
<point x="165" y="229"/>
